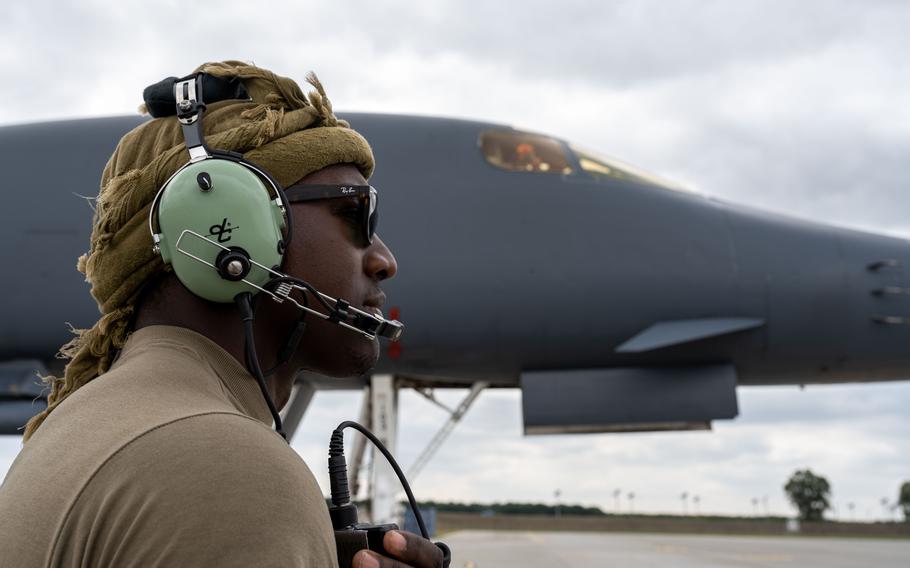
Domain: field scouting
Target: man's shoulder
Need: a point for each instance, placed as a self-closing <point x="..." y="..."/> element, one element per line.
<point x="205" y="485"/>
<point x="232" y="442"/>
<point x="154" y="384"/>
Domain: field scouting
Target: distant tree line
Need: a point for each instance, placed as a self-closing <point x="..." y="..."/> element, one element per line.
<point x="808" y="492"/>
<point x="496" y="508"/>
<point x="514" y="509"/>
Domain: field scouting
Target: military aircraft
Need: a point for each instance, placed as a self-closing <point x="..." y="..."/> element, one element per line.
<point x="615" y="301"/>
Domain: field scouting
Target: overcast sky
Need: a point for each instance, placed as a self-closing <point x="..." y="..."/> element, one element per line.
<point x="794" y="107"/>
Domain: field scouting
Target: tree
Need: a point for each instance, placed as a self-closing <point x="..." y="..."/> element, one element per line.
<point x="809" y="493"/>
<point x="903" y="500"/>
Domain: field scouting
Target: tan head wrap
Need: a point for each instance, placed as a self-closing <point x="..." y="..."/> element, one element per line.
<point x="287" y="133"/>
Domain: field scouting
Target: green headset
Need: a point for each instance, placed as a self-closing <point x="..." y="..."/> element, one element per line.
<point x="218" y="220"/>
<point x="217" y="213"/>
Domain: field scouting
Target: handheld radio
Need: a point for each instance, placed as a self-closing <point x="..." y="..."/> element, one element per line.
<point x="351" y="535"/>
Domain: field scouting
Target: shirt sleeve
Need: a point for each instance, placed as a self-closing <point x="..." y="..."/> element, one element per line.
<point x="209" y="490"/>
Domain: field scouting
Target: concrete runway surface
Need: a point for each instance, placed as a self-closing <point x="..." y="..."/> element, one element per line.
<point x="489" y="549"/>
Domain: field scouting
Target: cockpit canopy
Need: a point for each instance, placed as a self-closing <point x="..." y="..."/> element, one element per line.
<point x="517" y="151"/>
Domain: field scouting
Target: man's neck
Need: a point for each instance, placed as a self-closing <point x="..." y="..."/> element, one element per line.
<point x="172" y="305"/>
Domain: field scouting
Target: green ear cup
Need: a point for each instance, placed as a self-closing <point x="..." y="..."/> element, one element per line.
<point x="213" y="205"/>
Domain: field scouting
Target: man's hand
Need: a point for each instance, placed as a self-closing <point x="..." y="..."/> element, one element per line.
<point x="411" y="550"/>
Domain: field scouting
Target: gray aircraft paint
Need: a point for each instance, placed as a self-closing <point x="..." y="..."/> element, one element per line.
<point x="504" y="273"/>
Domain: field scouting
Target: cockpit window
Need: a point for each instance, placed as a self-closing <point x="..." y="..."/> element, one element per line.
<point x="516" y="151"/>
<point x="601" y="166"/>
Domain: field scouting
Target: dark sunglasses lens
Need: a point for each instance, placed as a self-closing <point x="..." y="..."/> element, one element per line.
<point x="371" y="225"/>
<point x="372" y="215"/>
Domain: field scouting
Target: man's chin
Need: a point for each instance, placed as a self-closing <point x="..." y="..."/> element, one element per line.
<point x="335" y="352"/>
<point x="364" y="358"/>
<point x="357" y="362"/>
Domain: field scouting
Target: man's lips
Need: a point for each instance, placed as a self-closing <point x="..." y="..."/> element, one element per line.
<point x="374" y="304"/>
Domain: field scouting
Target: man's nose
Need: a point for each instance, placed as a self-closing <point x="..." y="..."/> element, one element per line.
<point x="379" y="262"/>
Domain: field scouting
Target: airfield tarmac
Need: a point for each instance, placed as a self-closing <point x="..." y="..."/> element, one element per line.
<point x="500" y="549"/>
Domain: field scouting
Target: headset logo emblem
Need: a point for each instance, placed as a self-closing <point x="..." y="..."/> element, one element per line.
<point x="222" y="231"/>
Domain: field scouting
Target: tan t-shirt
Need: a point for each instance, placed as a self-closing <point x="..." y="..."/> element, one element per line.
<point x="168" y="459"/>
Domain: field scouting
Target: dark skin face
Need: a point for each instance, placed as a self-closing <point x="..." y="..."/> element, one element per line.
<point x="329" y="253"/>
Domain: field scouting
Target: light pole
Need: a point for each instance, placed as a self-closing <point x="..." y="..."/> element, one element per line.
<point x="631" y="496"/>
<point x="755" y="506"/>
<point x="684" y="497"/>
<point x="695" y="501"/>
<point x="556" y="494"/>
<point x="852" y="506"/>
<point x="616" y="495"/>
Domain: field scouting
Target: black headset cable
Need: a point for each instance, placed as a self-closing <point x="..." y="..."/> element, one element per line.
<point x="244" y="303"/>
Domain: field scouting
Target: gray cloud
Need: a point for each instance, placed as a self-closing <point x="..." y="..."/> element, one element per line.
<point x="815" y="403"/>
<point x="622" y="44"/>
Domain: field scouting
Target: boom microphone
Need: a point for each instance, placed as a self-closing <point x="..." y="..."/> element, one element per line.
<point x="340" y="311"/>
<point x="235" y="265"/>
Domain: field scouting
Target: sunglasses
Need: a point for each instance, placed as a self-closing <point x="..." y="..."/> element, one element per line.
<point x="366" y="195"/>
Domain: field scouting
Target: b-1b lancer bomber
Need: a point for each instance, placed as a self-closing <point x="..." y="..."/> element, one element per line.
<point x="614" y="300"/>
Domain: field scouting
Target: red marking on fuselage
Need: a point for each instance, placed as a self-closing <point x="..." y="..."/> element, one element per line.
<point x="394" y="350"/>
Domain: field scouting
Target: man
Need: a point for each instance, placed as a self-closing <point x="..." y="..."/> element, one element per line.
<point x="157" y="448"/>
